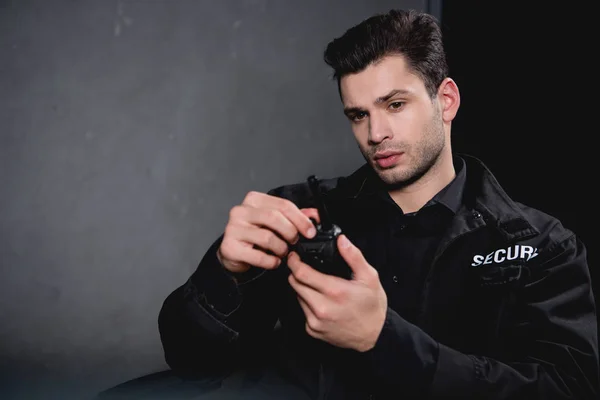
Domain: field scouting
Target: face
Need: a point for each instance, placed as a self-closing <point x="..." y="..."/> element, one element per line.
<point x="399" y="128"/>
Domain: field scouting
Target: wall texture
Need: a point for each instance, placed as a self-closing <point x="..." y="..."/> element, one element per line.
<point x="128" y="129"/>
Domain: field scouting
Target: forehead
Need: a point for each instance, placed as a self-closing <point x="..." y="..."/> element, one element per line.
<point x="379" y="78"/>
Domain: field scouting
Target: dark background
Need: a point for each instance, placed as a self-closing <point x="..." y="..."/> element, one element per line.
<point x="129" y="128"/>
<point x="528" y="103"/>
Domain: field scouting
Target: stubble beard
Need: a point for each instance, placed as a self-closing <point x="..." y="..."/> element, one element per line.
<point x="424" y="156"/>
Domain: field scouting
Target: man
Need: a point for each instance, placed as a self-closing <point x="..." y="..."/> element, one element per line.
<point x="457" y="291"/>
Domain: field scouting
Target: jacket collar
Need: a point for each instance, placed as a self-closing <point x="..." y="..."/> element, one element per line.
<point x="483" y="197"/>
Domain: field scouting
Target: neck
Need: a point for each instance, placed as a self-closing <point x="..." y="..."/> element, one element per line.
<point x="413" y="197"/>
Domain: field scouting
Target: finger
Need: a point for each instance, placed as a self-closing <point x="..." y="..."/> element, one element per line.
<point x="313" y="325"/>
<point x="268" y="218"/>
<point x="314" y="299"/>
<point x="354" y="258"/>
<point x="239" y="253"/>
<point x="311" y="213"/>
<point x="302" y="223"/>
<point x="233" y="266"/>
<point x="313" y="333"/>
<point x="310" y="277"/>
<point x="265" y="239"/>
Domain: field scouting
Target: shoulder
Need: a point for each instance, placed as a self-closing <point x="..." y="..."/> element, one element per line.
<point x="554" y="237"/>
<point x="335" y="188"/>
<point x="300" y="194"/>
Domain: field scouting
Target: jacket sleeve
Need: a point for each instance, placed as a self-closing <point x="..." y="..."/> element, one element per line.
<point x="216" y="320"/>
<point x="556" y="343"/>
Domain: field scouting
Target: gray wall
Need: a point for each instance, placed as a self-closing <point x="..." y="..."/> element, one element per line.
<point x="128" y="129"/>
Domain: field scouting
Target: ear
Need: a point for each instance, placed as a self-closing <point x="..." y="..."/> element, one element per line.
<point x="449" y="99"/>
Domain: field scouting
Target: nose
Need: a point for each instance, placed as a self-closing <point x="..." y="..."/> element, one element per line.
<point x="379" y="129"/>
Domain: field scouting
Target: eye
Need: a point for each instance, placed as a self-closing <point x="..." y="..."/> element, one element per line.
<point x="396" y="105"/>
<point x="358" y="116"/>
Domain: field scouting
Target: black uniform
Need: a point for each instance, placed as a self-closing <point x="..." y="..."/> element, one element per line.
<point x="487" y="298"/>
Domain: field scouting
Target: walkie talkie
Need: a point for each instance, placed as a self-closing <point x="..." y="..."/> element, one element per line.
<point x="321" y="252"/>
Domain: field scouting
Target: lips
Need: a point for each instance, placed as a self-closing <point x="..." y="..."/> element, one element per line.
<point x="386" y="159"/>
<point x="386" y="154"/>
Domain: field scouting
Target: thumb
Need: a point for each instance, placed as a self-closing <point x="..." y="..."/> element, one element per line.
<point x="353" y="257"/>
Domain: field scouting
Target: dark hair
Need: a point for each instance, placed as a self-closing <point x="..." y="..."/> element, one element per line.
<point x="414" y="35"/>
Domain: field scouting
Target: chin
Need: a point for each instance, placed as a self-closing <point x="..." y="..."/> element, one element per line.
<point x="390" y="176"/>
<point x="396" y="177"/>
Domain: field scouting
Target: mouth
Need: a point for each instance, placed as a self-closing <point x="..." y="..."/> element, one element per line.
<point x="387" y="159"/>
<point x="386" y="154"/>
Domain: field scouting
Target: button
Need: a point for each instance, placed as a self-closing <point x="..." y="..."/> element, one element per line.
<point x="395" y="279"/>
<point x="476" y="214"/>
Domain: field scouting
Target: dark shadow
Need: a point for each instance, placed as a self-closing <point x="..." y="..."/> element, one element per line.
<point x="160" y="385"/>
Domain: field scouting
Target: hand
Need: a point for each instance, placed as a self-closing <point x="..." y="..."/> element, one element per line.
<point x="259" y="230"/>
<point x="344" y="313"/>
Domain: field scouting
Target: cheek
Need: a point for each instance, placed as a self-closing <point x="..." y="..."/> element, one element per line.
<point x="409" y="125"/>
<point x="408" y="118"/>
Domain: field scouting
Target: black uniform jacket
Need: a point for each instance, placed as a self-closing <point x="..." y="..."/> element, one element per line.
<point x="505" y="311"/>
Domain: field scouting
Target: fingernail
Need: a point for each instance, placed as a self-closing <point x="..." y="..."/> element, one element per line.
<point x="311" y="232"/>
<point x="344" y="242"/>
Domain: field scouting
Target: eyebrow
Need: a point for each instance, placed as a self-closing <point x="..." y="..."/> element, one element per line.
<point x="391" y="94"/>
<point x="379" y="100"/>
